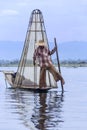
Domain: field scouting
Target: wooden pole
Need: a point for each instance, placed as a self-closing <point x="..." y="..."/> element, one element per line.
<point x="58" y="63"/>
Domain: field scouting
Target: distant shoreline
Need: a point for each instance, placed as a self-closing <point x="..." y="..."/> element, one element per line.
<point x="75" y="65"/>
<point x="65" y="63"/>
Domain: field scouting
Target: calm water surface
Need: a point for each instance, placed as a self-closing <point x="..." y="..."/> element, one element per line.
<point x="46" y="111"/>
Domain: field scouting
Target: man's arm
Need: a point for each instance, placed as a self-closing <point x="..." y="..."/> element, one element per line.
<point x="34" y="57"/>
<point x="34" y="61"/>
<point x="52" y="52"/>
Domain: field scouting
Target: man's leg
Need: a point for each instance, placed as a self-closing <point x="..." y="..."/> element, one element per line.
<point x="57" y="76"/>
<point x="42" y="81"/>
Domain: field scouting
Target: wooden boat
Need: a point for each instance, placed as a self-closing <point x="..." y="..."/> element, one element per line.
<point x="26" y="83"/>
<point x="27" y="75"/>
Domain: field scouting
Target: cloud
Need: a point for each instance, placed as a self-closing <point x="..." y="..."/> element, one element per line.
<point x="8" y="12"/>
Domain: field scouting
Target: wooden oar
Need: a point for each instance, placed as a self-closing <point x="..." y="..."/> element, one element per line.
<point x="58" y="61"/>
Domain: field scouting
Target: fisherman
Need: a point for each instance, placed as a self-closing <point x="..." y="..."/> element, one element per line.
<point x="43" y="55"/>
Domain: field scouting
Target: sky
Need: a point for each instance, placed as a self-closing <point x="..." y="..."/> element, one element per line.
<point x="64" y="19"/>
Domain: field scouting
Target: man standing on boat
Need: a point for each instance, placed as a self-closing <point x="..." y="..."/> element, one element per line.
<point x="43" y="55"/>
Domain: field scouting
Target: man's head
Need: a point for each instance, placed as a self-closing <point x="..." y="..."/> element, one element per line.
<point x="40" y="43"/>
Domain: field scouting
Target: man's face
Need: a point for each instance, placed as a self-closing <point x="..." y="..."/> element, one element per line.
<point x="41" y="47"/>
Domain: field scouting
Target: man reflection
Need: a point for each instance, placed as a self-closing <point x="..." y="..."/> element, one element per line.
<point x="42" y="111"/>
<point x="47" y="113"/>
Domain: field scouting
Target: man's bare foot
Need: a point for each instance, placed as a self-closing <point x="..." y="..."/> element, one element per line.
<point x="62" y="81"/>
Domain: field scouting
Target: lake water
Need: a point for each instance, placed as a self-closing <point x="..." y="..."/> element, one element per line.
<point x="27" y="110"/>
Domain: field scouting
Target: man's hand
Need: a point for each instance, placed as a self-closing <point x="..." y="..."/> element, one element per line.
<point x="55" y="48"/>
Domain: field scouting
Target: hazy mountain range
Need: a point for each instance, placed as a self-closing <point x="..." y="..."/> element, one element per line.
<point x="75" y="50"/>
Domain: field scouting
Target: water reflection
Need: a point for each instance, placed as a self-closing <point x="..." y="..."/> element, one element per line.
<point x="41" y="111"/>
<point x="48" y="111"/>
<point x="20" y="104"/>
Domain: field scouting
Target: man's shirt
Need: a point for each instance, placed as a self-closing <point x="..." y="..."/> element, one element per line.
<point x="42" y="56"/>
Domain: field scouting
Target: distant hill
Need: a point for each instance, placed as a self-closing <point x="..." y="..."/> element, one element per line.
<point x="10" y="50"/>
<point x="75" y="50"/>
